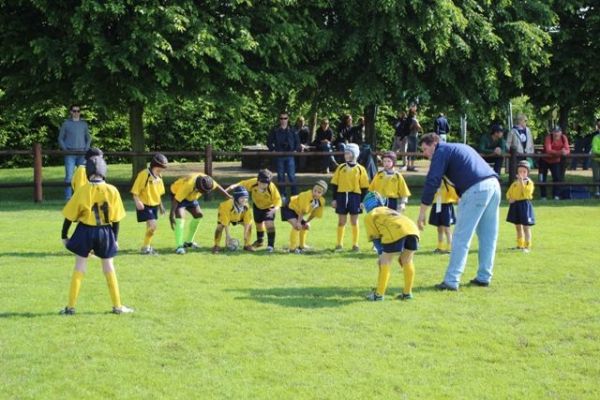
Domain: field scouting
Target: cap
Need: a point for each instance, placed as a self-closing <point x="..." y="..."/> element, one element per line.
<point x="523" y="164"/>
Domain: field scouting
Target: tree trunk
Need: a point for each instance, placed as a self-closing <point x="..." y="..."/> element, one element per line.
<point x="136" y="132"/>
<point x="563" y="118"/>
<point x="370" y="118"/>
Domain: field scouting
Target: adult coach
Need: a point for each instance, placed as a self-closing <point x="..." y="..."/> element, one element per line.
<point x="477" y="185"/>
<point x="74" y="135"/>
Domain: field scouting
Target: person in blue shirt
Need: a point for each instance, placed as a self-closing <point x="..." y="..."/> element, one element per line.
<point x="478" y="210"/>
<point x="74" y="135"/>
<point x="442" y="127"/>
<point x="284" y="138"/>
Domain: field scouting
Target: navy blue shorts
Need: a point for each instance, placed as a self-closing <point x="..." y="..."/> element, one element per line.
<point x="147" y="214"/>
<point x="86" y="238"/>
<point x="261" y="215"/>
<point x="444" y="218"/>
<point x="521" y="213"/>
<point x="287" y="214"/>
<point x="188" y="204"/>
<point x="348" y="203"/>
<point x="392" y="203"/>
<point x="410" y="242"/>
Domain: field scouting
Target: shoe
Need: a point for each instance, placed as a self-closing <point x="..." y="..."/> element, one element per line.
<point x="597" y="194"/>
<point x="180" y="250"/>
<point x="373" y="296"/>
<point x="216" y="250"/>
<point x="299" y="251"/>
<point x="444" y="286"/>
<point x="405" y="296"/>
<point x="338" y="248"/>
<point x="544" y="199"/>
<point x="270" y="249"/>
<point x="403" y="168"/>
<point x="325" y="171"/>
<point x="355" y="249"/>
<point x="67" y="311"/>
<point x="556" y="198"/>
<point x="148" y="251"/>
<point x="411" y="169"/>
<point x="526" y="250"/>
<point x="479" y="283"/>
<point x="191" y="245"/>
<point x="249" y="248"/>
<point x="439" y="251"/>
<point x="516" y="248"/>
<point x="122" y="310"/>
<point x="258" y="243"/>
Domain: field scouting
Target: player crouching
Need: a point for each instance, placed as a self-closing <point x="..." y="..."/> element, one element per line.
<point x="234" y="211"/>
<point x="391" y="233"/>
<point x="97" y="207"/>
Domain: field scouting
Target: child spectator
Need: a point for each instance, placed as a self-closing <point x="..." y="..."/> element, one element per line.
<point x="350" y="183"/>
<point x="98" y="209"/>
<point x="520" y="210"/>
<point x="391" y="233"/>
<point x="232" y="212"/>
<point x="390" y="183"/>
<point x="80" y="176"/>
<point x="147" y="191"/>
<point x="309" y="202"/>
<point x="442" y="215"/>
<point x="185" y="193"/>
<point x="266" y="200"/>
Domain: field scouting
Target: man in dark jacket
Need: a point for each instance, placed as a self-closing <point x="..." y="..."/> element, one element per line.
<point x="284" y="138"/>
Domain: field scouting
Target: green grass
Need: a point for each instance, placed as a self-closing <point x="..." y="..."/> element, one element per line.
<point x="254" y="326"/>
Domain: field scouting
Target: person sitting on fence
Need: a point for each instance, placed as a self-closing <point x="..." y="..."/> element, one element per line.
<point x="520" y="210"/>
<point x="556" y="146"/>
<point x="519" y="138"/>
<point x="492" y="147"/>
<point x="185" y="193"/>
<point x="323" y="140"/>
<point x="232" y="212"/>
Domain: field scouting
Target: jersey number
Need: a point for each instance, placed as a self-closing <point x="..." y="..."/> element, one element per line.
<point x="101" y="218"/>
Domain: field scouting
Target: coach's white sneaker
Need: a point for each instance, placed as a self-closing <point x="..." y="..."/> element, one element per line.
<point x="122" y="310"/>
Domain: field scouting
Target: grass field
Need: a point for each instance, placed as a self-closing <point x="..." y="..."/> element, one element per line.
<point x="259" y="326"/>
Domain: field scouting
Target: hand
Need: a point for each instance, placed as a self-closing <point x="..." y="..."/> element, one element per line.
<point x="401" y="207"/>
<point x="117" y="245"/>
<point x="65" y="241"/>
<point x="421" y="222"/>
<point x="497" y="151"/>
<point x="334" y="203"/>
<point x="139" y="205"/>
<point x="172" y="220"/>
<point x="563" y="152"/>
<point x="270" y="213"/>
<point x="161" y="209"/>
<point x="511" y="201"/>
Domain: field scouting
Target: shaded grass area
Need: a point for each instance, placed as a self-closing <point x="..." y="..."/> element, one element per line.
<point x="239" y="325"/>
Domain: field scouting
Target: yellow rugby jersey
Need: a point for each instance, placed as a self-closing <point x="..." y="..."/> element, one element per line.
<point x="350" y="179"/>
<point x="228" y="213"/>
<point x="389" y="225"/>
<point x="446" y="193"/>
<point x="263" y="200"/>
<point x="304" y="203"/>
<point x="184" y="188"/>
<point x="79" y="177"/>
<point x="521" y="190"/>
<point x="391" y="186"/>
<point x="148" y="187"/>
<point x="95" y="204"/>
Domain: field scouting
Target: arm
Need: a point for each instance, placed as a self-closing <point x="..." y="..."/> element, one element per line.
<point x="138" y="203"/>
<point x="88" y="137"/>
<point x="223" y="192"/>
<point x="61" y="137"/>
<point x="422" y="220"/>
<point x="65" y="231"/>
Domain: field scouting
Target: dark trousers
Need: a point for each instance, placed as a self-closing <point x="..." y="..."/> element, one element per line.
<point x="326" y="162"/>
<point x="497" y="161"/>
<point x="557" y="176"/>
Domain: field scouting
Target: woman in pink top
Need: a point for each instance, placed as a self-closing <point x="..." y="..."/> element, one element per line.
<point x="556" y="145"/>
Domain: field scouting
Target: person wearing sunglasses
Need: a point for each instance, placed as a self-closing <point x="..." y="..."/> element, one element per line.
<point x="74" y="135"/>
<point x="285" y="138"/>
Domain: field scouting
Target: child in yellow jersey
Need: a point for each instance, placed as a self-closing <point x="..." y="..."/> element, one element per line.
<point x="442" y="215"/>
<point x="147" y="191"/>
<point x="309" y="202"/>
<point x="80" y="176"/>
<point x="390" y="184"/>
<point x="391" y="233"/>
<point x="98" y="209"/>
<point x="266" y="200"/>
<point x="520" y="210"/>
<point x="185" y="193"/>
<point x="350" y="182"/>
<point x="233" y="212"/>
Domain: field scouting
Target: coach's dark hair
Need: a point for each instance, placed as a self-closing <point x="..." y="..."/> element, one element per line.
<point x="429" y="139"/>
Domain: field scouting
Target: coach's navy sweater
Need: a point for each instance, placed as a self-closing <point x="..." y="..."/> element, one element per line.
<point x="460" y="163"/>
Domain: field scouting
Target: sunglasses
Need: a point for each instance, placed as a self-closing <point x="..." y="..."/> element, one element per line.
<point x="75" y="111"/>
<point x="283" y="118"/>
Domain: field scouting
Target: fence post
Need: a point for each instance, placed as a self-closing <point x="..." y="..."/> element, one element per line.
<point x="512" y="166"/>
<point x="37" y="173"/>
<point x="208" y="156"/>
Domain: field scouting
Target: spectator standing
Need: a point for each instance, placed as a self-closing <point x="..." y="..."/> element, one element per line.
<point x="492" y="146"/>
<point x="556" y="146"/>
<point x="441" y="127"/>
<point x="304" y="136"/>
<point x="583" y="144"/>
<point x="595" y="151"/>
<point x="323" y="140"/>
<point x="478" y="210"/>
<point x="284" y="138"/>
<point x="520" y="138"/>
<point x="400" y="140"/>
<point x="412" y="128"/>
<point x="74" y="135"/>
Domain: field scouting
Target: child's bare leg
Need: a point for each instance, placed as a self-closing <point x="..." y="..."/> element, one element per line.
<point x="527" y="236"/>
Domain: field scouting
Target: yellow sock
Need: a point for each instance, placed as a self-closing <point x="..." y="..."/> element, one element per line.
<point x="355" y="235"/>
<point x="447" y="247"/>
<point x="294" y="238"/>
<point x="527" y="245"/>
<point x="76" y="279"/>
<point x="113" y="288"/>
<point x="409" y="277"/>
<point x="440" y="245"/>
<point x="148" y="237"/>
<point x="520" y="243"/>
<point x="383" y="278"/>
<point x="340" y="235"/>
<point x="302" y="235"/>
<point x="218" y="235"/>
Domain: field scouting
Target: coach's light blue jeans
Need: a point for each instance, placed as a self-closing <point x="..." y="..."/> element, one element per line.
<point x="478" y="212"/>
<point x="71" y="162"/>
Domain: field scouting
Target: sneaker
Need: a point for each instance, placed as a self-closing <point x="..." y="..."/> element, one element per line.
<point x="180" y="250"/>
<point x="355" y="249"/>
<point x="67" y="311"/>
<point x="439" y="251"/>
<point x="248" y="248"/>
<point x="516" y="248"/>
<point x="216" y="250"/>
<point x="479" y="283"/>
<point x="299" y="251"/>
<point x="526" y="250"/>
<point x="148" y="251"/>
<point x="258" y="243"/>
<point x="444" y="286"/>
<point x="405" y="296"/>
<point x="191" y="245"/>
<point x="403" y="168"/>
<point x="556" y="198"/>
<point x="597" y="194"/>
<point x="270" y="249"/>
<point x="122" y="310"/>
<point x="373" y="296"/>
<point x="338" y="248"/>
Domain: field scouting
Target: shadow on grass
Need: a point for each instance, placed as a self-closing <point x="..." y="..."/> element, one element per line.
<point x="10" y="314"/>
<point x="305" y="297"/>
